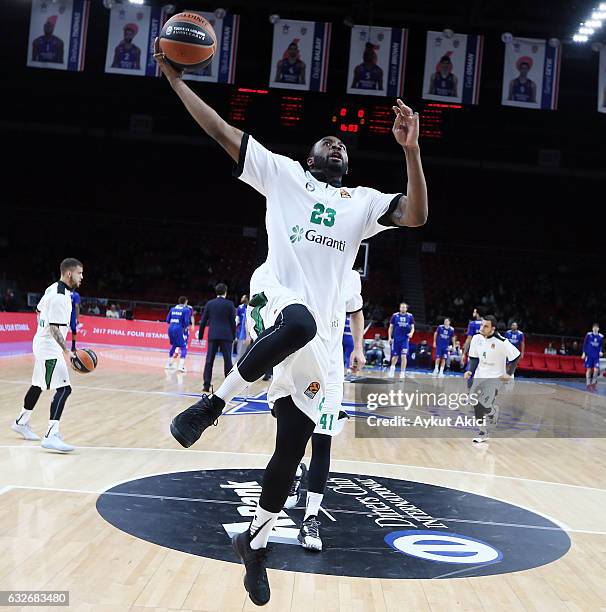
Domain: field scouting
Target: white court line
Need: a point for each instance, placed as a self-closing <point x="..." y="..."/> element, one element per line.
<point x="336" y="511"/>
<point x="391" y="465"/>
<point x="558" y="522"/>
<point x="5" y="489"/>
<point x="334" y="520"/>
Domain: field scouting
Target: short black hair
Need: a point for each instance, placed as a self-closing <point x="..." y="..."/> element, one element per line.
<point x="182" y="299"/>
<point x="445" y="58"/>
<point x="69" y="263"/>
<point x="221" y="289"/>
<point x="596" y="324"/>
<point x="492" y="320"/>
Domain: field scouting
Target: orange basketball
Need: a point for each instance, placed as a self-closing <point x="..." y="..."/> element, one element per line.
<point x="85" y="361"/>
<point x="188" y="41"/>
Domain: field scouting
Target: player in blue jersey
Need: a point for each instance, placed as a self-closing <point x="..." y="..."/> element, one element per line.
<point x="368" y="75"/>
<point x="348" y="342"/>
<point x="48" y="48"/>
<point x="290" y="68"/>
<point x="443" y="342"/>
<point x="73" y="323"/>
<point x="522" y="89"/>
<point x="592" y="351"/>
<point x="401" y="330"/>
<point x="179" y="319"/>
<point x="242" y="335"/>
<point x="443" y="82"/>
<point x="472" y="329"/>
<point x="516" y="337"/>
<point x="127" y="55"/>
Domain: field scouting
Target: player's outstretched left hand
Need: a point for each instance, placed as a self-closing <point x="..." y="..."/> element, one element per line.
<point x="405" y="126"/>
<point x="169" y="71"/>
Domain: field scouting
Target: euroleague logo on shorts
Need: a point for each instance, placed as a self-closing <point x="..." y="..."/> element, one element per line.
<point x="377" y="527"/>
<point x="312" y="390"/>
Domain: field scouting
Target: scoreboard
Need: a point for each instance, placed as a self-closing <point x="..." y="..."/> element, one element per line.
<point x="270" y="110"/>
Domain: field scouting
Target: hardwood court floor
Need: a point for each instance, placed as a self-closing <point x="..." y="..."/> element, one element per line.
<point x="53" y="537"/>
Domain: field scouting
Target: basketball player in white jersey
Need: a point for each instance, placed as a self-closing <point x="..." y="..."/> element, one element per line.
<point x="315" y="227"/>
<point x="332" y="416"/>
<point x="492" y="361"/>
<point x="50" y="353"/>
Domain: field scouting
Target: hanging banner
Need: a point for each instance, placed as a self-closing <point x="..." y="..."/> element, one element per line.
<point x="452" y="67"/>
<point x="57" y="34"/>
<point x="602" y="82"/>
<point x="223" y="67"/>
<point x="377" y="58"/>
<point x="531" y="75"/>
<point x="130" y="42"/>
<point x="299" y="57"/>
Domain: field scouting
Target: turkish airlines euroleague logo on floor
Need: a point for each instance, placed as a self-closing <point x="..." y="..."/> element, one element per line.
<point x="373" y="527"/>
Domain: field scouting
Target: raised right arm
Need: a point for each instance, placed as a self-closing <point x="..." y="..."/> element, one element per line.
<point x="229" y="137"/>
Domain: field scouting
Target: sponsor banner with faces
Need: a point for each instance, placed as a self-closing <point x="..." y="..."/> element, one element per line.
<point x="377" y="59"/>
<point x="57" y="34"/>
<point x="300" y="53"/>
<point x="452" y="67"/>
<point x="531" y="74"/>
<point x="130" y="42"/>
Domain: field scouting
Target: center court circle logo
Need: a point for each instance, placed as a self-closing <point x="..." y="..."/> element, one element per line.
<point x="443" y="548"/>
<point x="374" y="527"/>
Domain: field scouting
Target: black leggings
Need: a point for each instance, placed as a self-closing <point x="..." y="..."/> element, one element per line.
<point x="293" y="432"/>
<point x="293" y="329"/>
<point x="320" y="463"/>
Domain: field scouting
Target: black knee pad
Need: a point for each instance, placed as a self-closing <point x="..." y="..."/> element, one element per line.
<point x="31" y="397"/>
<point x="300" y="323"/>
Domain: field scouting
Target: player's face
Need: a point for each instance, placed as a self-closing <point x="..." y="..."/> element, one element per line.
<point x="487" y="329"/>
<point x="369" y="57"/>
<point x="514" y="327"/>
<point x="49" y="28"/>
<point x="244" y="299"/>
<point x="75" y="277"/>
<point x="403" y="308"/>
<point x="128" y="35"/>
<point x="444" y="67"/>
<point x="524" y="68"/>
<point x="329" y="154"/>
<point x="293" y="51"/>
<point x="475" y="314"/>
<point x="446" y="322"/>
<point x="595" y="329"/>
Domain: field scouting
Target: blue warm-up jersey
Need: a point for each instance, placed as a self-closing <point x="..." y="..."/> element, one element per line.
<point x="444" y="336"/>
<point x="402" y="324"/>
<point x="444" y="86"/>
<point x="522" y="92"/>
<point x="515" y="337"/>
<point x="290" y="73"/>
<point x="592" y="347"/>
<point x="241" y="312"/>
<point x="474" y="327"/>
<point x="368" y="78"/>
<point x="179" y="315"/>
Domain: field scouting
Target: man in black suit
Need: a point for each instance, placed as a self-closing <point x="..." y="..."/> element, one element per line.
<point x="220" y="316"/>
